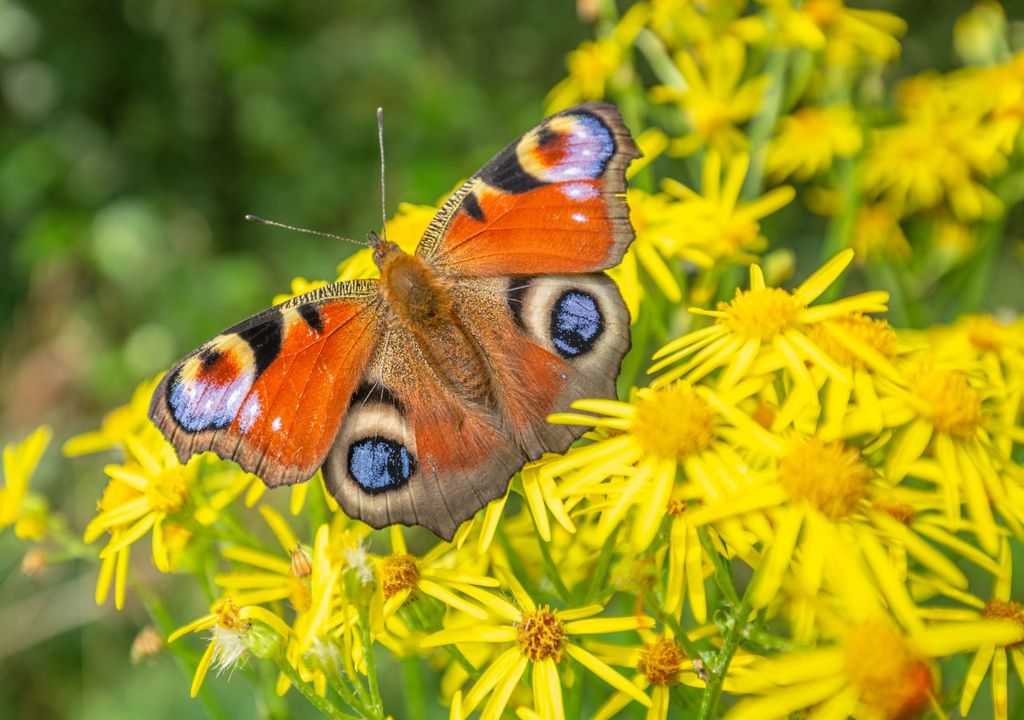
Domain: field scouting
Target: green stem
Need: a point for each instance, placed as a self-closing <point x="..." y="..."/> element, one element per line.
<point x="412" y="674"/>
<point x="371" y="666"/>
<point x="660" y="61"/>
<point x="321" y="704"/>
<point x="332" y="671"/>
<point x="720" y="667"/>
<point x="723" y="578"/>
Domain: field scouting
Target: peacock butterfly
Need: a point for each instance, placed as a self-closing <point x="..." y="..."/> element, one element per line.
<point x="422" y="392"/>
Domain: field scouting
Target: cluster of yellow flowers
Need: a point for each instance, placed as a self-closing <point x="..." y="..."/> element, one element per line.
<point x="796" y="507"/>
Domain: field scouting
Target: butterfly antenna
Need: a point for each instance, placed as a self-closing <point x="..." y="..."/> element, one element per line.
<point x="264" y="221"/>
<point x="380" y="143"/>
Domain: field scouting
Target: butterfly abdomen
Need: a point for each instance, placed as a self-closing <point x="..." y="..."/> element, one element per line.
<point x="422" y="303"/>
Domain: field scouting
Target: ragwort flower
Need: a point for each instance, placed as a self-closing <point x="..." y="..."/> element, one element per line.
<point x="541" y="637"/>
<point x="25" y="511"/>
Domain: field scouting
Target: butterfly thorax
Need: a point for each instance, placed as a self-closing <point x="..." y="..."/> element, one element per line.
<point x="420" y="301"/>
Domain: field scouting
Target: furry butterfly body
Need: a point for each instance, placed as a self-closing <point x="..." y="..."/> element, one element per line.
<point x="421" y="393"/>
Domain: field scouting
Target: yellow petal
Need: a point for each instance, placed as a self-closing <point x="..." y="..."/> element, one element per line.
<point x="606" y="673"/>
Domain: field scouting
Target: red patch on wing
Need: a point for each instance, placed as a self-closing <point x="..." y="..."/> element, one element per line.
<point x="552" y="152"/>
<point x="557" y="228"/>
<point x="531" y="401"/>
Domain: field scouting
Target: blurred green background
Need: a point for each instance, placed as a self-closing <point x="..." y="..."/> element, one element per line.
<point x="134" y="136"/>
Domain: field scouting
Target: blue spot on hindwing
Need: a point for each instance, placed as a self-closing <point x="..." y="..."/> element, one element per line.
<point x="378" y="464"/>
<point x="576" y="323"/>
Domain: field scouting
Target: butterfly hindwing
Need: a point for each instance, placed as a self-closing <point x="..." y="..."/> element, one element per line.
<point x="270" y="391"/>
<point x="411" y="451"/>
<point x="550" y="340"/>
<point x="551" y="202"/>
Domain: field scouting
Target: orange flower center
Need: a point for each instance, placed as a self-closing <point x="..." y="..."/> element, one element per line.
<point x="541" y="634"/>
<point x="397" y="573"/>
<point x="674" y="422"/>
<point x="955" y="406"/>
<point x="676" y="508"/>
<point x="892" y="679"/>
<point x="1005" y="610"/>
<point x="760" y="314"/>
<point x="226" y="613"/>
<point x="661" y="662"/>
<point x="829" y="476"/>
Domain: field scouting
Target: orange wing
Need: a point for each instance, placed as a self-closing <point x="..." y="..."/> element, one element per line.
<point x="551" y="202"/>
<point x="270" y="392"/>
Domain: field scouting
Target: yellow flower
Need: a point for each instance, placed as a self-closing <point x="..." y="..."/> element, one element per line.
<point x="684" y="22"/>
<point x="807" y="142"/>
<point x="764" y="329"/>
<point x="594" y="63"/>
<point x="540" y="638"/>
<point x="25" y="511"/>
<point x="841" y="31"/>
<point x="402" y="576"/>
<point x="661" y="664"/>
<point x="716" y="99"/>
<point x="269" y="577"/>
<point x="873" y="669"/>
<point x="992" y="656"/>
<point x="945" y="434"/>
<point x="230" y="637"/>
<point x="938" y="153"/>
<point x="139" y="497"/>
<point x="877" y="233"/>
<point x="641" y="448"/>
<point x="714" y="222"/>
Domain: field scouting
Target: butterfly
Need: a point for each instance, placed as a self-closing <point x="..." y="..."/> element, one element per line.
<point x="421" y="393"/>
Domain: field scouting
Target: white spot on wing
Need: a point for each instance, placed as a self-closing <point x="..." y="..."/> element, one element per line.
<point x="579" y="191"/>
<point x="276" y="424"/>
<point x="579" y="217"/>
<point x="250" y="412"/>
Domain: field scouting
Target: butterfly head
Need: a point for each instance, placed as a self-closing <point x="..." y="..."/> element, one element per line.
<point x="382" y="248"/>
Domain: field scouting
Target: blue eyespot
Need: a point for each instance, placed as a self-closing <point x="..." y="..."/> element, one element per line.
<point x="379" y="464"/>
<point x="576" y="323"/>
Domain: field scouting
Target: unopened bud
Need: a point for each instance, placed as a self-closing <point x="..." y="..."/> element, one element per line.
<point x="34" y="562"/>
<point x="146" y="645"/>
<point x="302" y="564"/>
<point x="262" y="641"/>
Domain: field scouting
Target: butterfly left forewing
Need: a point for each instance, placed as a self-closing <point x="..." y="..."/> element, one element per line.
<point x="270" y="391"/>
